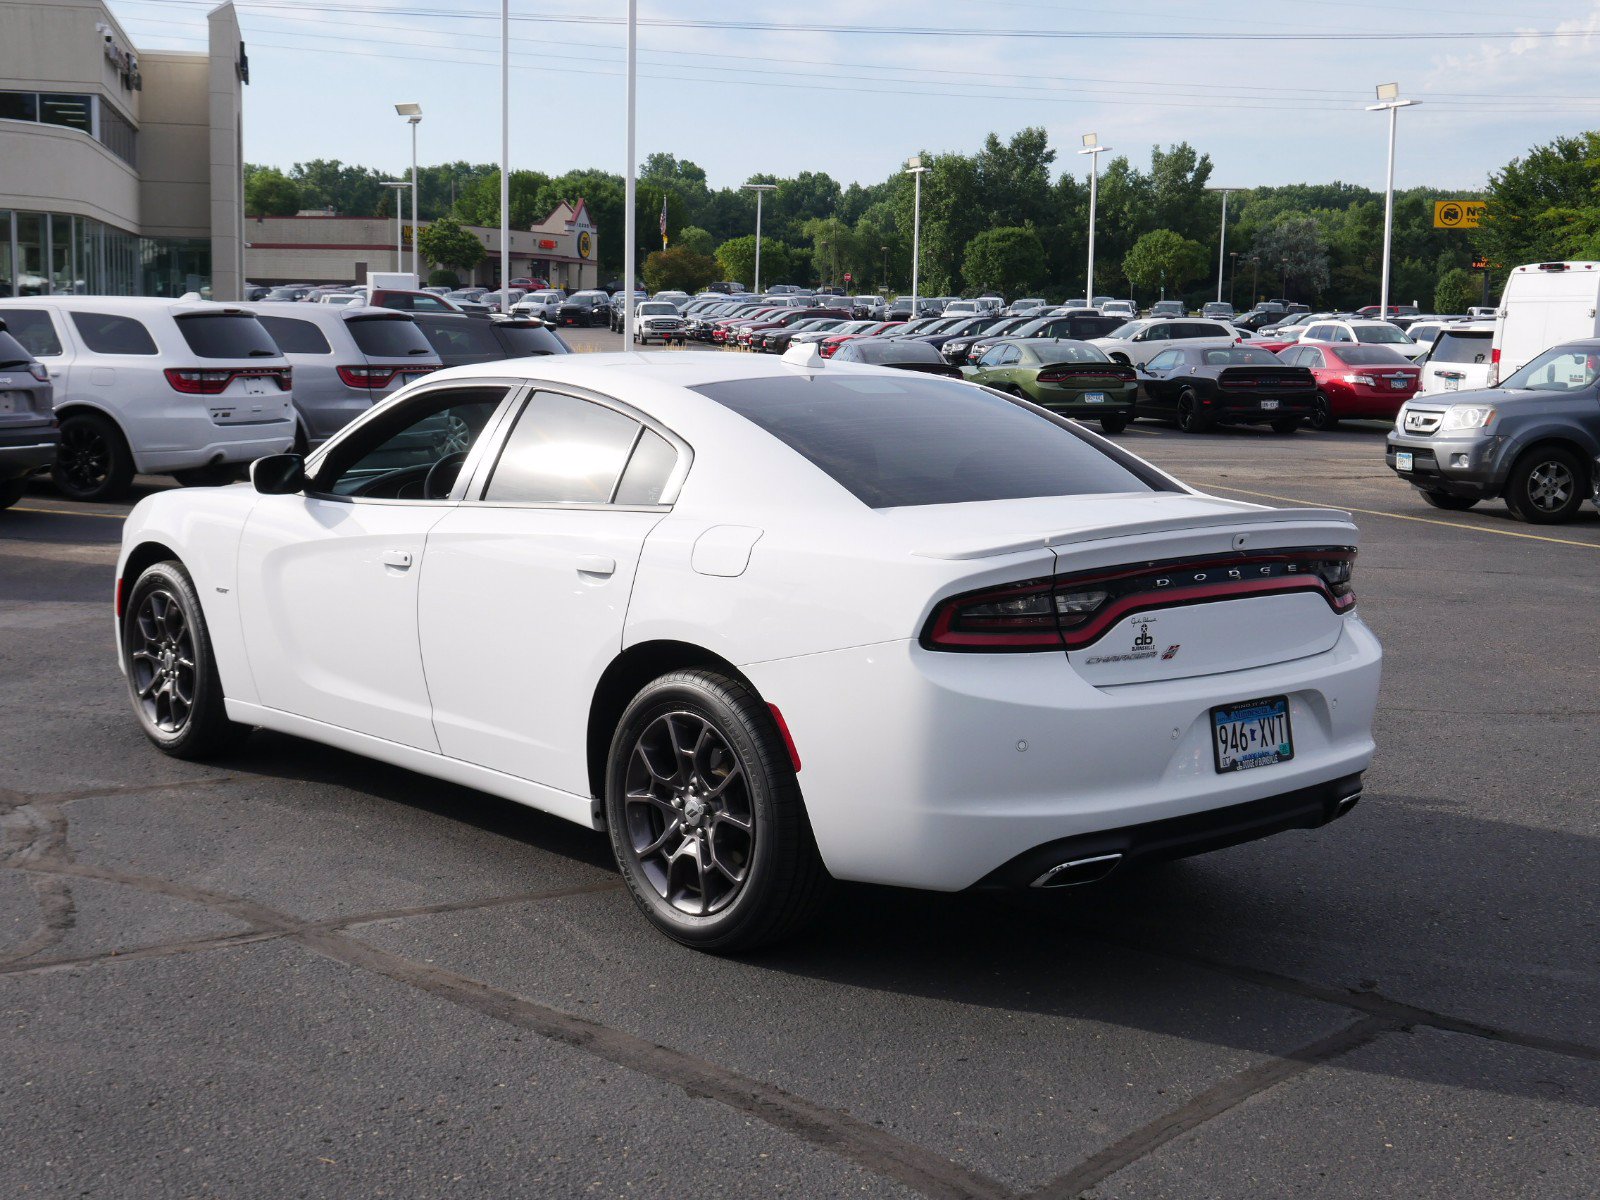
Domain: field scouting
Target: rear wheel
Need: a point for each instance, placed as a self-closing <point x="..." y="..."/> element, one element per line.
<point x="12" y="490"/>
<point x="1286" y="425"/>
<point x="1546" y="486"/>
<point x="93" y="462"/>
<point x="706" y="818"/>
<point x="172" y="674"/>
<point x="1448" y="502"/>
<point x="215" y="476"/>
<point x="1322" y="418"/>
<point x="1189" y="418"/>
<point x="1113" y="424"/>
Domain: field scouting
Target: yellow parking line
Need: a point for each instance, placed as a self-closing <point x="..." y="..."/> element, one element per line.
<point x="1373" y="512"/>
<point x="67" y="512"/>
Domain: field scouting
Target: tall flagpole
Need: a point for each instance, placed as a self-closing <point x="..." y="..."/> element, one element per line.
<point x="630" y="187"/>
<point x="505" y="152"/>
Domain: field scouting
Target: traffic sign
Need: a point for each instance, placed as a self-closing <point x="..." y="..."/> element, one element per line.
<point x="847" y="276"/>
<point x="1457" y="214"/>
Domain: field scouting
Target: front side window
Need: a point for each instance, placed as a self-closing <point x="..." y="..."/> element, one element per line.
<point x="1164" y="361"/>
<point x="33" y="328"/>
<point x="1382" y="335"/>
<point x="412" y="452"/>
<point x="562" y="450"/>
<point x="918" y="440"/>
<point x="105" y="333"/>
<point x="1559" y="370"/>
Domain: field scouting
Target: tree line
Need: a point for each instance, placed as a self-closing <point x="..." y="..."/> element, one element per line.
<point x="997" y="220"/>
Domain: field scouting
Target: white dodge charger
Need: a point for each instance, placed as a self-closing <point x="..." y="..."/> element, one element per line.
<point x="768" y="622"/>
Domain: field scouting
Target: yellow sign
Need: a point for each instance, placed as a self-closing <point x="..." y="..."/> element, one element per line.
<point x="1457" y="214"/>
<point x="585" y="244"/>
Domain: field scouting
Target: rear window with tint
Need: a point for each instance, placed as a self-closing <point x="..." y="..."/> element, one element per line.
<point x="1462" y="347"/>
<point x="524" y="341"/>
<point x="232" y="335"/>
<point x="895" y="442"/>
<point x="296" y="337"/>
<point x="462" y="340"/>
<point x="1373" y="356"/>
<point x="103" y="333"/>
<point x="389" y="337"/>
<point x="33" y="329"/>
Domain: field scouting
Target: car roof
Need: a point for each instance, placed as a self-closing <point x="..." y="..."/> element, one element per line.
<point x="136" y="304"/>
<point x="329" y="313"/>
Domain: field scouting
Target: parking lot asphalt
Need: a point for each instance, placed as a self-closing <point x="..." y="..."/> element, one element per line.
<point x="296" y="972"/>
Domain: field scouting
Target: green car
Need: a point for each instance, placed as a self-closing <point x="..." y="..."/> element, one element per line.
<point x="1071" y="378"/>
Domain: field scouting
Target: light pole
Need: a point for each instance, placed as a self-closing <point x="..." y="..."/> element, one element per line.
<point x="1255" y="278"/>
<point x="630" y="187"/>
<point x="505" y="150"/>
<point x="1388" y="98"/>
<point x="916" y="170"/>
<point x="1093" y="148"/>
<point x="1233" y="273"/>
<point x="399" y="186"/>
<point x="413" y="115"/>
<point x="1222" y="238"/>
<point x="885" y="282"/>
<point x="759" y="189"/>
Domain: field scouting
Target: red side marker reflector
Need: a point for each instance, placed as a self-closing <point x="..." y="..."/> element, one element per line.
<point x="119" y="596"/>
<point x="788" y="738"/>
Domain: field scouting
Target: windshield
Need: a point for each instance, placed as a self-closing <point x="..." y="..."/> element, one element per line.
<point x="1124" y="332"/>
<point x="1563" y="369"/>
<point x="1462" y="347"/>
<point x="1382" y="335"/>
<point x="656" y="309"/>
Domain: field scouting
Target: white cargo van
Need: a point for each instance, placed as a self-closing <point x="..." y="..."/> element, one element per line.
<point x="1543" y="305"/>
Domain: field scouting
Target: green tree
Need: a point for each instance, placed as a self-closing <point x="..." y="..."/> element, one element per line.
<point x="348" y="190"/>
<point x="736" y="260"/>
<point x="478" y="202"/>
<point x="680" y="269"/>
<point x="449" y="245"/>
<point x="443" y="278"/>
<point x="1164" y="260"/>
<point x="1294" y="253"/>
<point x="268" y="192"/>
<point x="1009" y="260"/>
<point x="1535" y="203"/>
<point x="692" y="237"/>
<point x="1457" y="291"/>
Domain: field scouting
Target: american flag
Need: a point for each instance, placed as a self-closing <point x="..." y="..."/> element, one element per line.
<point x="663" y="220"/>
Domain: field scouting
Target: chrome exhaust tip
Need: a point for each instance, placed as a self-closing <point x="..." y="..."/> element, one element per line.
<point x="1344" y="804"/>
<point x="1078" y="870"/>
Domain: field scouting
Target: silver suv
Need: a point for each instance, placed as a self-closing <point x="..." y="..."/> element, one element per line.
<point x="28" y="430"/>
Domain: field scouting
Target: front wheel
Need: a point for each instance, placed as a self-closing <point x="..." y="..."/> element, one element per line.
<point x="172" y="672"/>
<point x="1546" y="486"/>
<point x="1189" y="418"/>
<point x="13" y="490"/>
<point x="706" y="818"/>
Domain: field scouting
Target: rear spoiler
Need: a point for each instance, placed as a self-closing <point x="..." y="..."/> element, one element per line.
<point x="1241" y="513"/>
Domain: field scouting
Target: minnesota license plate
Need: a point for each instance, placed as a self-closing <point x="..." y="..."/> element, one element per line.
<point x="1095" y="397"/>
<point x="1254" y="733"/>
<point x="1397" y="383"/>
<point x="1268" y="405"/>
<point x="1402" y="460"/>
<point x="1451" y="385"/>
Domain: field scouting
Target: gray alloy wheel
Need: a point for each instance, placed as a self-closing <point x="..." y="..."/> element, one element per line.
<point x="1547" y="486"/>
<point x="706" y="818"/>
<point x="172" y="676"/>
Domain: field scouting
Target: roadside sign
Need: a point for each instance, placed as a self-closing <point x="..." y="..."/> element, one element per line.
<point x="847" y="276"/>
<point x="1457" y="214"/>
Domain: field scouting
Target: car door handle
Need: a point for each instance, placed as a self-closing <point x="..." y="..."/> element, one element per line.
<point x="596" y="564"/>
<point x="399" y="559"/>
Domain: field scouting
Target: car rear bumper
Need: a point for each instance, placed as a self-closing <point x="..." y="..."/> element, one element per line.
<point x="1247" y="410"/>
<point x="249" y="443"/>
<point x="23" y="451"/>
<point x="936" y="771"/>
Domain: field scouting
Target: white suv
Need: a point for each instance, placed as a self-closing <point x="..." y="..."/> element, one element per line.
<point x="1459" y="358"/>
<point x="1137" y="342"/>
<point x="1366" y="333"/>
<point x="155" y="387"/>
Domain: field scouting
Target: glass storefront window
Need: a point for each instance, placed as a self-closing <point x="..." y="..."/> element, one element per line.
<point x="19" y="106"/>
<point x="31" y="232"/>
<point x="41" y="253"/>
<point x="62" y="276"/>
<point x="8" y="285"/>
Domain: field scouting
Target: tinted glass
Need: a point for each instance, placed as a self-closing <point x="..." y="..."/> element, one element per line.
<point x="390" y="458"/>
<point x="648" y="470"/>
<point x="1454" y="347"/>
<point x="1069" y="352"/>
<point x="1373" y="356"/>
<point x="462" y="340"/>
<point x="71" y="111"/>
<point x="1382" y="335"/>
<point x="1240" y="356"/>
<point x="562" y="450"/>
<point x="19" y="106"/>
<point x="1558" y="370"/>
<point x="296" y="337"/>
<point x="1162" y="361"/>
<point x="104" y="333"/>
<point x="11" y="351"/>
<point x="227" y="336"/>
<point x="388" y="337"/>
<point x="33" y="329"/>
<point x="919" y="440"/>
<point x="526" y="341"/>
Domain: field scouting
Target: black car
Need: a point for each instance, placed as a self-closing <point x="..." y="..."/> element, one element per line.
<point x="895" y="352"/>
<point x="28" y="429"/>
<point x="459" y="340"/>
<point x="965" y="327"/>
<point x="584" y="308"/>
<point x="1071" y="327"/>
<point x="1202" y="386"/>
<point x="955" y="348"/>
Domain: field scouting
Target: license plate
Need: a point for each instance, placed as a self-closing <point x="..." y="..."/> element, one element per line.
<point x="254" y="387"/>
<point x="1255" y="733"/>
<point x="1402" y="460"/>
<point x="1095" y="398"/>
<point x="1451" y="385"/>
<point x="1397" y="384"/>
<point x="1268" y="405"/>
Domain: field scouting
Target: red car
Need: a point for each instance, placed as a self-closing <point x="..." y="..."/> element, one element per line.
<point x="829" y="345"/>
<point x="1355" y="381"/>
<point x="721" y="328"/>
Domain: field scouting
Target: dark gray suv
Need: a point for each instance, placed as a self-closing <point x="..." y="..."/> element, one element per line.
<point x="28" y="430"/>
<point x="1532" y="440"/>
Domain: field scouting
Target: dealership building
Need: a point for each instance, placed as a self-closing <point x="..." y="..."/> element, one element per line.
<point x="328" y="248"/>
<point x="120" y="169"/>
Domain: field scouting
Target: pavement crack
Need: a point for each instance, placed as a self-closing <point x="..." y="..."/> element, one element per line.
<point x="1212" y="1102"/>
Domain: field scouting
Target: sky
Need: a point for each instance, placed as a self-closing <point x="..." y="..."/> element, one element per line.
<point x="1275" y="94"/>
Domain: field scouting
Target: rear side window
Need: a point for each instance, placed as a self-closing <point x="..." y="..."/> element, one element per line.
<point x="894" y="442"/>
<point x="646" y="475"/>
<point x="462" y="340"/>
<point x="230" y="335"/>
<point x="388" y="337"/>
<point x="32" y="327"/>
<point x="562" y="450"/>
<point x="296" y="337"/>
<point x="104" y="333"/>
<point x="1455" y="347"/>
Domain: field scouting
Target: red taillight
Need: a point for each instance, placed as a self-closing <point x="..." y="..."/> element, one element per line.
<point x="205" y="381"/>
<point x="39" y="371"/>
<point x="1069" y="612"/>
<point x="380" y="377"/>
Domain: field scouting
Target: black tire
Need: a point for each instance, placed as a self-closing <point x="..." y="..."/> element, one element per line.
<point x="93" y="463"/>
<point x="1448" y="502"/>
<point x="12" y="490"/>
<point x="1286" y="425"/>
<point x="739" y="770"/>
<point x="1189" y="418"/>
<point x="217" y="476"/>
<point x="1547" y="486"/>
<point x="1113" y="424"/>
<point x="1322" y="418"/>
<point x="180" y="708"/>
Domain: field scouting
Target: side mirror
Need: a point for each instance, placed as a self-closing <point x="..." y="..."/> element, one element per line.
<point x="279" y="474"/>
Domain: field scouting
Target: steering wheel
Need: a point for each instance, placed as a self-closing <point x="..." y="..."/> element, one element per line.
<point x="441" y="477"/>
